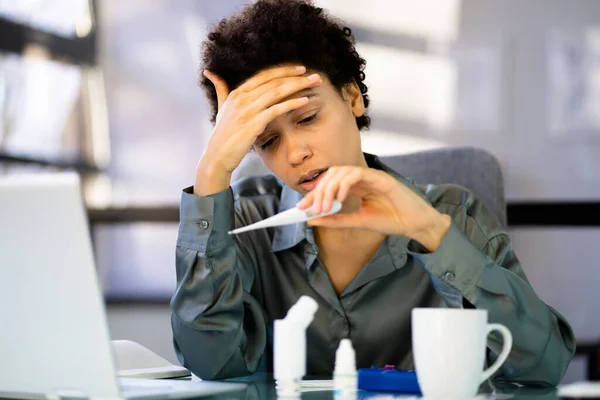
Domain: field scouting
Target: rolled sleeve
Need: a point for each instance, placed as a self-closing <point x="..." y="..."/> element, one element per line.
<point x="491" y="278"/>
<point x="218" y="325"/>
<point x="457" y="262"/>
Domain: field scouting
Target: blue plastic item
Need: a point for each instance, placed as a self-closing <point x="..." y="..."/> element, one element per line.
<point x="388" y="380"/>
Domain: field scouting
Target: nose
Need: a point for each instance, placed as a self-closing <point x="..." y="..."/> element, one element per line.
<point x="297" y="150"/>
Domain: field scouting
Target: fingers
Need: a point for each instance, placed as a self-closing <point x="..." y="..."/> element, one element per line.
<point x="306" y="201"/>
<point x="220" y="86"/>
<point x="279" y="89"/>
<point x="346" y="185"/>
<point x="280" y="108"/>
<point x="332" y="186"/>
<point x="318" y="192"/>
<point x="335" y="184"/>
<point x="264" y="89"/>
<point x="269" y="74"/>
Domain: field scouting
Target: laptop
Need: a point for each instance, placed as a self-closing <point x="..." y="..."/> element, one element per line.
<point x="54" y="339"/>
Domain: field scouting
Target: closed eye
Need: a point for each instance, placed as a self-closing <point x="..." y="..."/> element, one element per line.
<point x="268" y="143"/>
<point x="308" y="120"/>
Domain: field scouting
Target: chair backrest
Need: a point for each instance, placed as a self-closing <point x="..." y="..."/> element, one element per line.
<point x="476" y="169"/>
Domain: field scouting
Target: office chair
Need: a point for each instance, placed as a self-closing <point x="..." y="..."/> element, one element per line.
<point x="476" y="169"/>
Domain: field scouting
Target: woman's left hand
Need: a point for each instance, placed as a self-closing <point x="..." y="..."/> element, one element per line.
<point x="386" y="205"/>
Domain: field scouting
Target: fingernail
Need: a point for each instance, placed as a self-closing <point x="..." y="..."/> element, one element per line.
<point x="314" y="78"/>
<point x="301" y="69"/>
<point x="303" y="99"/>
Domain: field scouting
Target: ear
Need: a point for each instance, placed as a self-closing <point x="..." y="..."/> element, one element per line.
<point x="354" y="98"/>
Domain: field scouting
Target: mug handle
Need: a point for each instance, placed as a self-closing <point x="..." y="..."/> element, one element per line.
<point x="507" y="345"/>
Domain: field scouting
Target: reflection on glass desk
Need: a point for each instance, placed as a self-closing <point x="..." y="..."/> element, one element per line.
<point x="262" y="387"/>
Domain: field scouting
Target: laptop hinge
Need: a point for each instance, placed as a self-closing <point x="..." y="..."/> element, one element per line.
<point x="67" y="394"/>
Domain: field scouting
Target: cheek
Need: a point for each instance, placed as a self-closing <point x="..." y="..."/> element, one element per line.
<point x="340" y="128"/>
<point x="275" y="164"/>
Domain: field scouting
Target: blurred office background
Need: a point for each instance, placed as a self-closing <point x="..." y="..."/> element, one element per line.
<point x="109" y="88"/>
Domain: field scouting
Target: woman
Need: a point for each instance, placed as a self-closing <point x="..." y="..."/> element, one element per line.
<point x="284" y="79"/>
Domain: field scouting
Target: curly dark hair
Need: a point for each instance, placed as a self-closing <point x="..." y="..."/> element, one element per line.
<point x="268" y="33"/>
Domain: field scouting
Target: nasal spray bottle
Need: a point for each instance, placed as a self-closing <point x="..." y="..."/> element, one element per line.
<point x="345" y="380"/>
<point x="289" y="347"/>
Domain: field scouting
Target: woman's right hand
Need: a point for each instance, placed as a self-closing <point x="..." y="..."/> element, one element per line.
<point x="243" y="114"/>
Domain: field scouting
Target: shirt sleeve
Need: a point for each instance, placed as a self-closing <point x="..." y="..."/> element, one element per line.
<point x="218" y="325"/>
<point x="477" y="259"/>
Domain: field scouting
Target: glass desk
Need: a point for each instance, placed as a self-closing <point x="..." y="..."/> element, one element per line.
<point x="262" y="387"/>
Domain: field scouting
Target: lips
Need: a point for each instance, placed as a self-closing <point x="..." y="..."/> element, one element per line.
<point x="310" y="180"/>
<point x="311" y="175"/>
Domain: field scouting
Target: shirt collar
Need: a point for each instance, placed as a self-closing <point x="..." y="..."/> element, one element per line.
<point x="288" y="236"/>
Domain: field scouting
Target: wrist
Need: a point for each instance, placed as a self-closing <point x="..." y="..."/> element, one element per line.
<point x="210" y="178"/>
<point x="432" y="236"/>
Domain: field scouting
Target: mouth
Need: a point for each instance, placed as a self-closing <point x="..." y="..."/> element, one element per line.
<point x="310" y="180"/>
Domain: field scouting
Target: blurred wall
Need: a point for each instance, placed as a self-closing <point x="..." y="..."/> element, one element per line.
<point x="563" y="265"/>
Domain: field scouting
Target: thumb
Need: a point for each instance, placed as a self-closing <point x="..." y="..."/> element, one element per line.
<point x="220" y="87"/>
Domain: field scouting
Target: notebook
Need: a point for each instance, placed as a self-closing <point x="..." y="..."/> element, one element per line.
<point x="54" y="339"/>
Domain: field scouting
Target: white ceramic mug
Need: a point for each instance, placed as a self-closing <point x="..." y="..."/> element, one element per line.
<point x="449" y="348"/>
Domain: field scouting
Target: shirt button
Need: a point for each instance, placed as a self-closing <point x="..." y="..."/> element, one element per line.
<point x="203" y="224"/>
<point x="449" y="276"/>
